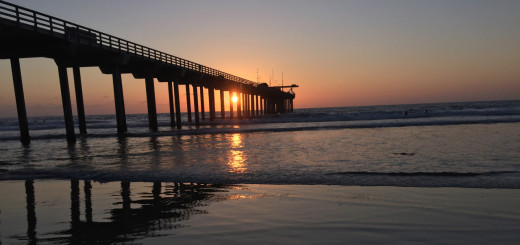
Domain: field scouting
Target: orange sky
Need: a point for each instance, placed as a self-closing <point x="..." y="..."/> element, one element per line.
<point x="341" y="53"/>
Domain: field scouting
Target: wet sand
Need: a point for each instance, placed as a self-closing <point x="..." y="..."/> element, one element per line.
<point x="65" y="211"/>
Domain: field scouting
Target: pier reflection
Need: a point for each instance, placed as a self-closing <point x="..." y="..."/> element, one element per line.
<point x="140" y="210"/>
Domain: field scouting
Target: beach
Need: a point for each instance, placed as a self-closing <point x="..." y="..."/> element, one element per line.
<point x="258" y="214"/>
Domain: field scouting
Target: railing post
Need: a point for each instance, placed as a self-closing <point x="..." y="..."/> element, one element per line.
<point x="35" y="26"/>
<point x="17" y="15"/>
<point x="51" y="26"/>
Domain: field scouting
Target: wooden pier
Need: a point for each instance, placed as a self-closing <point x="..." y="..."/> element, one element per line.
<point x="29" y="34"/>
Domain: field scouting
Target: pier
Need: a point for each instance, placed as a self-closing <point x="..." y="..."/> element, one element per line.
<point x="30" y="34"/>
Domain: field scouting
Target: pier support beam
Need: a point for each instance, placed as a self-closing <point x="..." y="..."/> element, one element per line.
<point x="230" y="104"/>
<point x="177" y="105"/>
<point x="65" y="99"/>
<point x="202" y="112"/>
<point x="196" y="105"/>
<point x="119" y="101"/>
<point x="20" y="101"/>
<point x="239" y="105"/>
<point x="253" y="113"/>
<point x="170" y="100"/>
<point x="244" y="105"/>
<point x="79" y="100"/>
<point x="262" y="106"/>
<point x="150" y="101"/>
<point x="257" y="113"/>
<point x="211" y="95"/>
<point x="188" y="102"/>
<point x="222" y="108"/>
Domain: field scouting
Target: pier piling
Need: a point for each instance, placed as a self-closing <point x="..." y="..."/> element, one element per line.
<point x="65" y="99"/>
<point x="196" y="105"/>
<point x="20" y="100"/>
<point x="170" y="102"/>
<point x="150" y="101"/>
<point x="211" y="95"/>
<point x="79" y="100"/>
<point x="188" y="102"/>
<point x="239" y="105"/>
<point x="119" y="101"/>
<point x="177" y="105"/>
<point x="222" y="109"/>
<point x="230" y="96"/>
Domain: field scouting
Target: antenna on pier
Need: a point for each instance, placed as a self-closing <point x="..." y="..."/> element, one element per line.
<point x="271" y="78"/>
<point x="282" y="80"/>
<point x="257" y="76"/>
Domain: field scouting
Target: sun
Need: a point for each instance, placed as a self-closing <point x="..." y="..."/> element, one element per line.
<point x="234" y="99"/>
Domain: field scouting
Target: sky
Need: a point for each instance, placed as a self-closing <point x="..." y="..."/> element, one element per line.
<point x="340" y="53"/>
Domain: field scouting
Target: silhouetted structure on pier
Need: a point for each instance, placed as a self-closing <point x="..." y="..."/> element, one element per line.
<point x="27" y="33"/>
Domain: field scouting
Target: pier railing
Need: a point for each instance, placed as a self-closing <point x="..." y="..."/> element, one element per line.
<point x="56" y="27"/>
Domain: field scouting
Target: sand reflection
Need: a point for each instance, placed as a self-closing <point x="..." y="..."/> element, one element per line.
<point x="113" y="213"/>
<point x="237" y="157"/>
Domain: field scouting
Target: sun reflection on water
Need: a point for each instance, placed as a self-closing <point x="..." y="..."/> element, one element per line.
<point x="237" y="158"/>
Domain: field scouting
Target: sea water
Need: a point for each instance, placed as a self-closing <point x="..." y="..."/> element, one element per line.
<point x="472" y="144"/>
<point x="297" y="178"/>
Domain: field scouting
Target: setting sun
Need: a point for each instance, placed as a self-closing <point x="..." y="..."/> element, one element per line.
<point x="234" y="99"/>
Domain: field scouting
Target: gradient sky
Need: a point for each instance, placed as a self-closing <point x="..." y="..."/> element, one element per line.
<point x="341" y="53"/>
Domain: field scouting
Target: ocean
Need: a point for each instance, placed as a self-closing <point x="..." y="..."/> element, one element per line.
<point x="161" y="181"/>
<point x="473" y="144"/>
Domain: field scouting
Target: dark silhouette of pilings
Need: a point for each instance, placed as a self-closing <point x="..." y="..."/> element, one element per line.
<point x="177" y="105"/>
<point x="65" y="99"/>
<point x="119" y="101"/>
<point x="34" y="34"/>
<point x="150" y="99"/>
<point x="188" y="102"/>
<point x="222" y="109"/>
<point x="79" y="100"/>
<point x="211" y="95"/>
<point x="20" y="101"/>
<point x="171" y="105"/>
<point x="202" y="112"/>
<point x="196" y="105"/>
<point x="239" y="106"/>
<point x="231" y="104"/>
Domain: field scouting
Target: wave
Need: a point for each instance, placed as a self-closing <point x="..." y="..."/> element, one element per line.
<point x="275" y="127"/>
<point x="431" y="174"/>
<point x="495" y="179"/>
